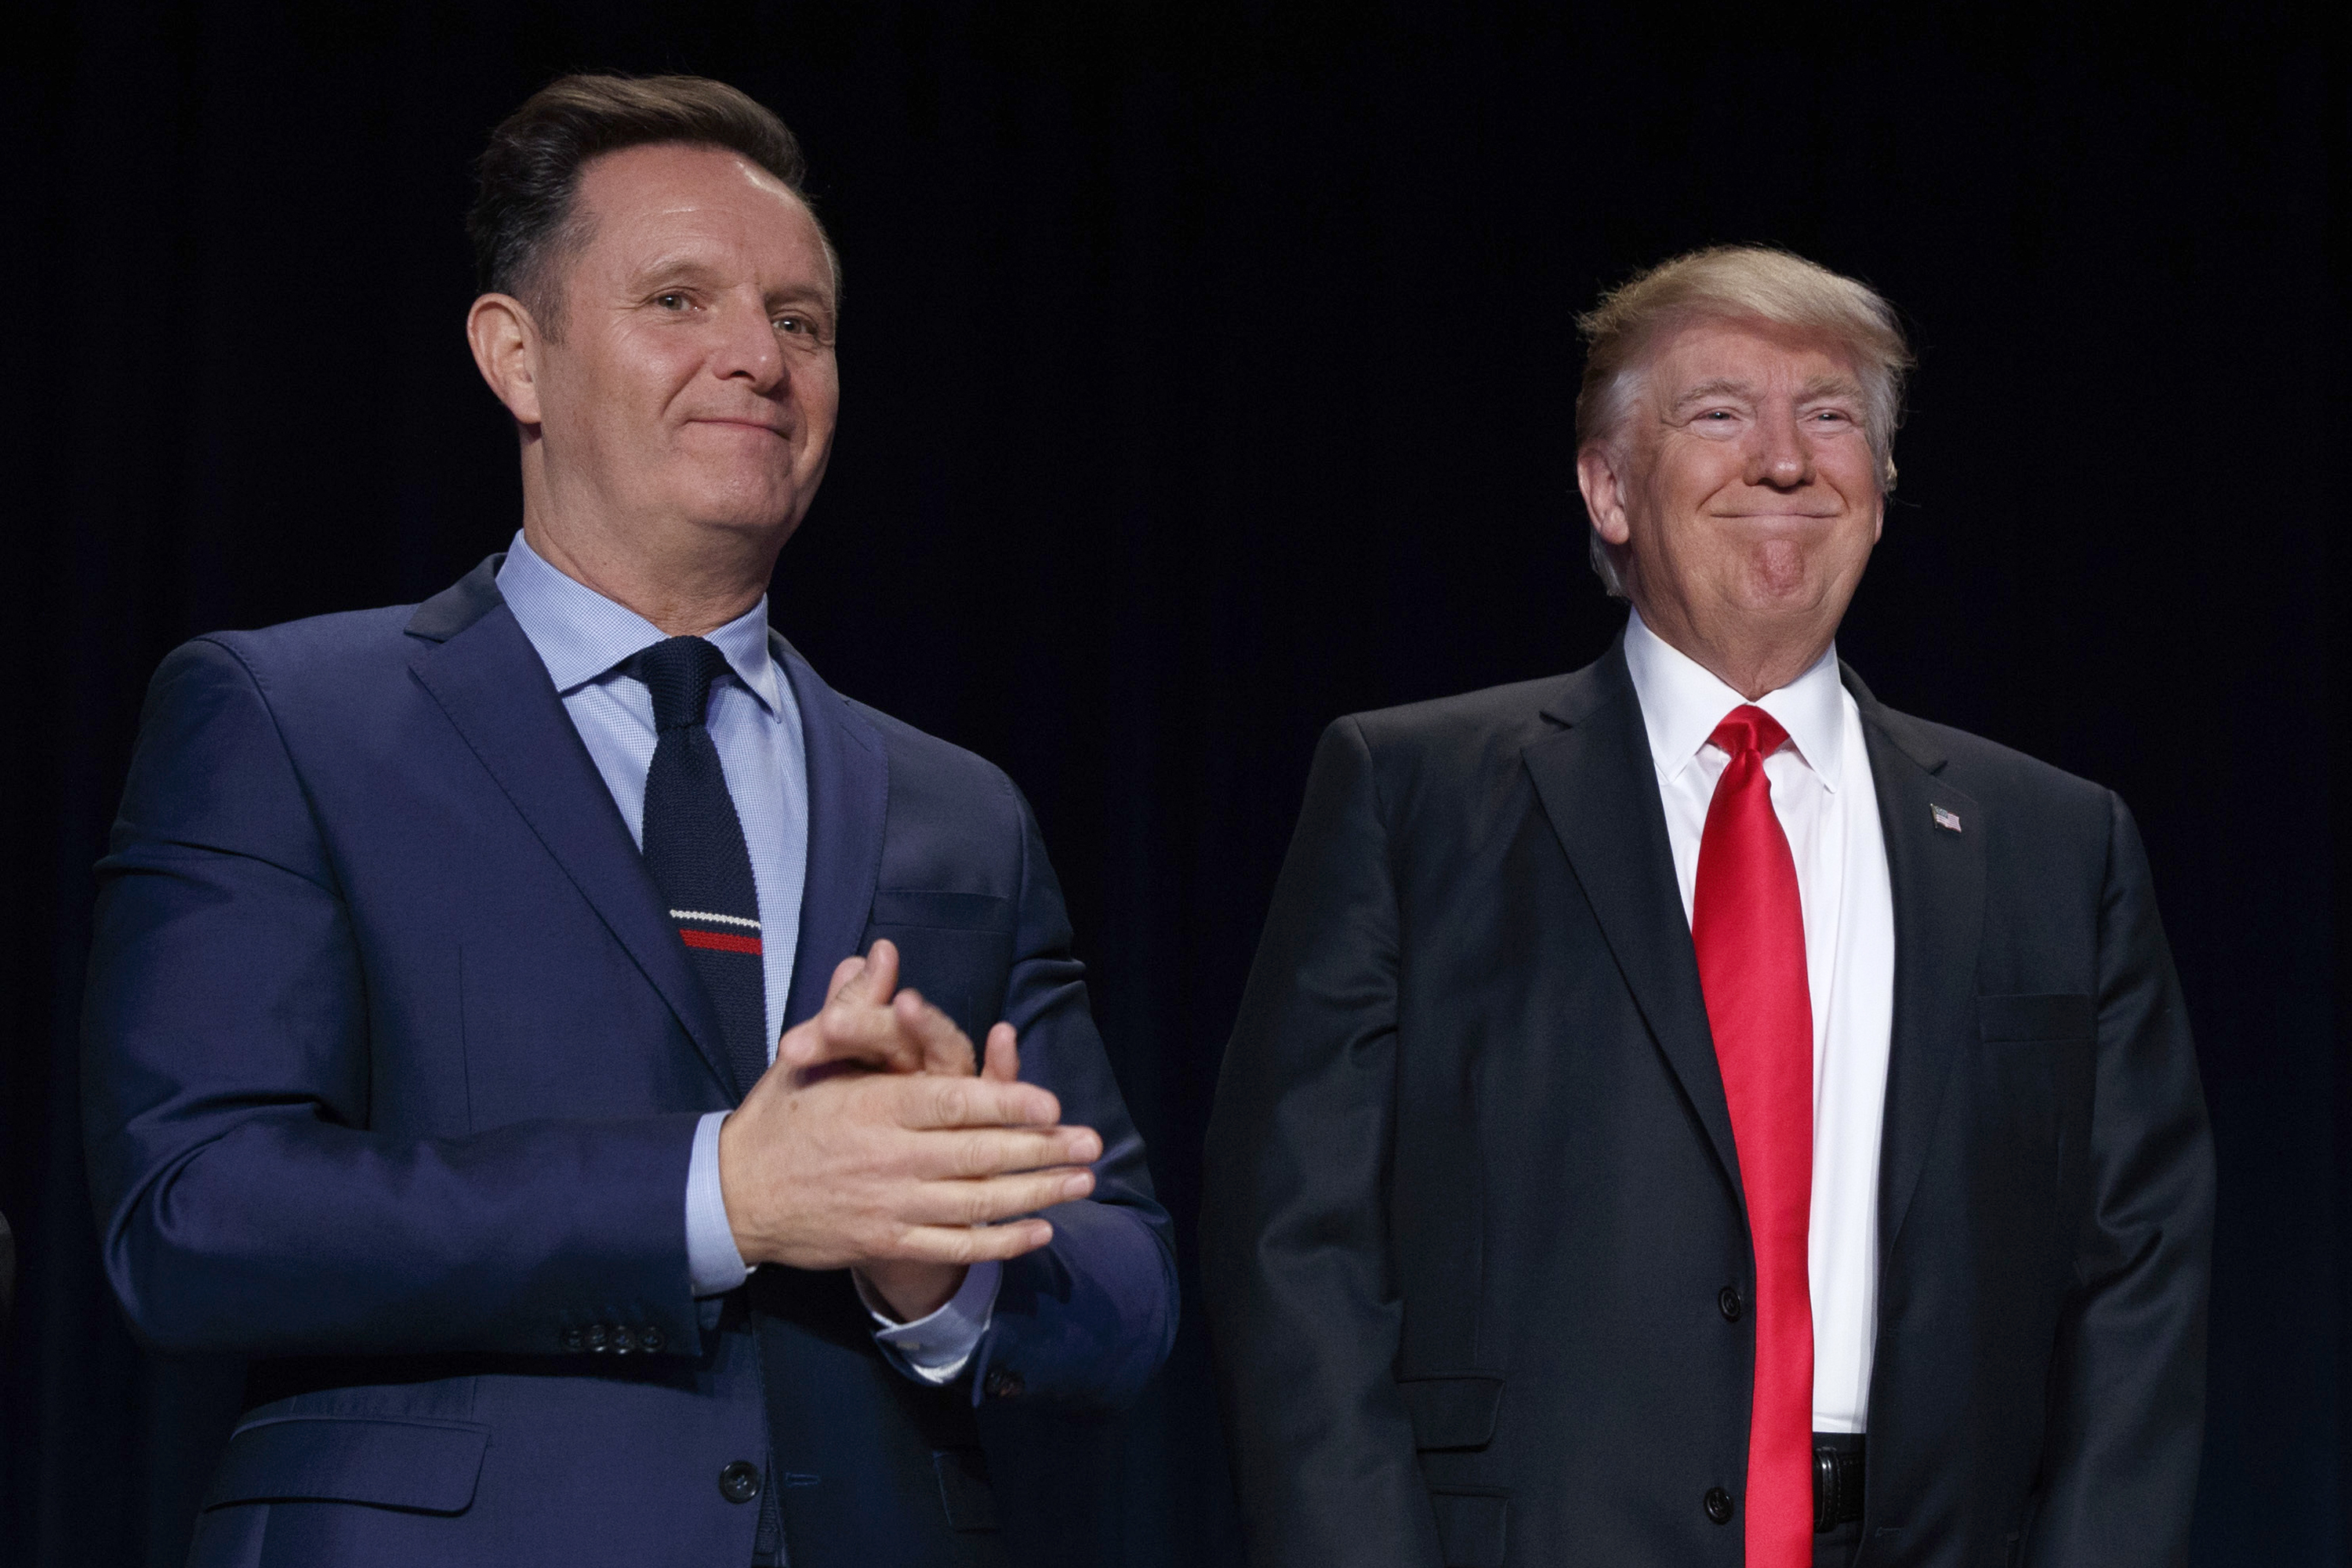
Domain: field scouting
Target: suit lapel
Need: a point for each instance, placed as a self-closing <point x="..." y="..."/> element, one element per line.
<point x="1935" y="864"/>
<point x="1600" y="788"/>
<point x="848" y="800"/>
<point x="476" y="664"/>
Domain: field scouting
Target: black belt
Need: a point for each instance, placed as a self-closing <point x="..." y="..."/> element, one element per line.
<point x="1837" y="1480"/>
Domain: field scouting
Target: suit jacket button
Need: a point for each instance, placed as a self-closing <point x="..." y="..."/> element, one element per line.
<point x="739" y="1482"/>
<point x="1718" y="1505"/>
<point x="599" y="1337"/>
<point x="624" y="1341"/>
<point x="650" y="1338"/>
<point x="573" y="1340"/>
<point x="1003" y="1385"/>
<point x="1726" y="1301"/>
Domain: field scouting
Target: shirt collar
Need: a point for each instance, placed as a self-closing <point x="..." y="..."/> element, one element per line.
<point x="580" y="635"/>
<point x="1683" y="701"/>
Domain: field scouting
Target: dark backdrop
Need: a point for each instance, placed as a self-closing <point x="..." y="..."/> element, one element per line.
<point x="1207" y="374"/>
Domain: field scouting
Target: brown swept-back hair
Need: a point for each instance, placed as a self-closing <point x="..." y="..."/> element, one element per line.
<point x="525" y="212"/>
<point x="1732" y="283"/>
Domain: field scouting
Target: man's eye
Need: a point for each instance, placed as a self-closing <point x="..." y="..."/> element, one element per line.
<point x="791" y="325"/>
<point x="1720" y="415"/>
<point x="670" y="301"/>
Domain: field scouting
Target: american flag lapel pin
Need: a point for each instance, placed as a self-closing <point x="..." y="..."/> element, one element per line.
<point x="1946" y="819"/>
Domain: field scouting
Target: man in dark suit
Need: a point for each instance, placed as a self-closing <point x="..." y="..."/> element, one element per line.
<point x="1686" y="1111"/>
<point x="443" y="952"/>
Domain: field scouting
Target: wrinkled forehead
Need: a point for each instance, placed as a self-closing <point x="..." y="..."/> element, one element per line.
<point x="640" y="204"/>
<point x="1697" y="354"/>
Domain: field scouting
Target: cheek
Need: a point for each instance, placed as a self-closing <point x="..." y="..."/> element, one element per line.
<point x="820" y="394"/>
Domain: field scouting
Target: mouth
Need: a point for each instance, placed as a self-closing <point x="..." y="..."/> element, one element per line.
<point x="759" y="424"/>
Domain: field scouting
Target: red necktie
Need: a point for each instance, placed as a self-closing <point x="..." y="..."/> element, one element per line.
<point x="1749" y="930"/>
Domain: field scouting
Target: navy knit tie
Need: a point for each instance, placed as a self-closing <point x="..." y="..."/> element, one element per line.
<point x="693" y="847"/>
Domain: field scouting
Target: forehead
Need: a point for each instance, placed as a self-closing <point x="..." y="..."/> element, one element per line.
<point x="647" y="204"/>
<point x="1747" y="352"/>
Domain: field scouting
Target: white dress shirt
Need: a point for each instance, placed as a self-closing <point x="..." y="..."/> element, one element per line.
<point x="585" y="639"/>
<point x="1828" y="807"/>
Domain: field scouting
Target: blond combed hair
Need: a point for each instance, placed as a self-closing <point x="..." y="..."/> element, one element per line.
<point x="1734" y="283"/>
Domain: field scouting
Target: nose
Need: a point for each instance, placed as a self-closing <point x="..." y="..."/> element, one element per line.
<point x="1780" y="457"/>
<point x="745" y="347"/>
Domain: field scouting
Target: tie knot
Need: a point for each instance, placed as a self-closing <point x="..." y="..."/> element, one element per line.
<point x="679" y="673"/>
<point x="1748" y="728"/>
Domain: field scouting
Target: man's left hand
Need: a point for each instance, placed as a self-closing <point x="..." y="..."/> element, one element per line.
<point x="868" y="1023"/>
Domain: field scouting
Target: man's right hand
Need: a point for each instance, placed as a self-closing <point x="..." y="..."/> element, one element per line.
<point x="826" y="1168"/>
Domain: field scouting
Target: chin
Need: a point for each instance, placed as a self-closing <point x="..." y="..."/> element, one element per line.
<point x="745" y="508"/>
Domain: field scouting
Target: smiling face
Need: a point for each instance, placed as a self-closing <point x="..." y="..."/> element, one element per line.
<point x="689" y="383"/>
<point x="1742" y="498"/>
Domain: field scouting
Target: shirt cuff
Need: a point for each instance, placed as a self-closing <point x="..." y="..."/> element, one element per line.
<point x="934" y="1349"/>
<point x="713" y="1267"/>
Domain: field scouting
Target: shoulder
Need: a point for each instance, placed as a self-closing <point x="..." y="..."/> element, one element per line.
<point x="1971" y="759"/>
<point x="1449" y="766"/>
<point x="1469" y="716"/>
<point x="921" y="761"/>
<point x="2042" y="807"/>
<point x="336" y="661"/>
<point x="1454" y="742"/>
<point x="319" y="648"/>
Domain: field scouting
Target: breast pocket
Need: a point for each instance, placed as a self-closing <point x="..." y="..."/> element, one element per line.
<point x="954" y="948"/>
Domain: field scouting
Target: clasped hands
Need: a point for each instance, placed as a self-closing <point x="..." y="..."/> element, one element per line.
<point x="870" y="1144"/>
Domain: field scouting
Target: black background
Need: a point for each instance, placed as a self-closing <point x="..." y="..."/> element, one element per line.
<point x="1207" y="374"/>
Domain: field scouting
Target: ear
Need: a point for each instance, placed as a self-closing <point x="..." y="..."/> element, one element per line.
<point x="506" y="344"/>
<point x="1604" y="494"/>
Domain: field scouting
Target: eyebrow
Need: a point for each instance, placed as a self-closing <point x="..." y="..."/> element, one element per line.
<point x="685" y="266"/>
<point x="1722" y="386"/>
<point x="1719" y="387"/>
<point x="676" y="266"/>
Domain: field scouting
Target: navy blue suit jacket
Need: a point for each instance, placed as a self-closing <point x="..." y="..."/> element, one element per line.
<point x="394" y="1062"/>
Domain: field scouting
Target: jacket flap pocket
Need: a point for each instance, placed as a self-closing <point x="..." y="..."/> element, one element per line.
<point x="963" y="1488"/>
<point x="2037" y="1018"/>
<point x="428" y="1466"/>
<point x="1470" y="1528"/>
<point x="943" y="910"/>
<point x="1452" y="1412"/>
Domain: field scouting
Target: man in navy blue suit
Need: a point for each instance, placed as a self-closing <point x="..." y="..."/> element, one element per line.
<point x="537" y="1028"/>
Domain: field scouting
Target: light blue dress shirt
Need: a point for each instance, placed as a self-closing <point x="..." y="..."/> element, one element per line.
<point x="584" y="638"/>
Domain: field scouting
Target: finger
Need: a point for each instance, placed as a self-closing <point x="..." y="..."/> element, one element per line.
<point x="1003" y="1062"/>
<point x="842" y="973"/>
<point x="870" y="980"/>
<point x="928" y="1104"/>
<point x="869" y="1036"/>
<point x="976" y="1152"/>
<point x="881" y="976"/>
<point x="970" y="1244"/>
<point x="997" y="1198"/>
<point x="946" y="1048"/>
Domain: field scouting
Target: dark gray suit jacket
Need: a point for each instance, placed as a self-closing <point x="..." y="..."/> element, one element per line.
<point x="1472" y="1197"/>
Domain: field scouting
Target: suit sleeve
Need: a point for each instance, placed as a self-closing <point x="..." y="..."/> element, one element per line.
<point x="1303" y="1310"/>
<point x="2127" y="1387"/>
<point x="244" y="1205"/>
<point x="1085" y="1321"/>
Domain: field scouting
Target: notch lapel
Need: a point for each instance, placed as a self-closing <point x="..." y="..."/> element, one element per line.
<point x="849" y="801"/>
<point x="1938" y="878"/>
<point x="489" y="680"/>
<point x="1600" y="788"/>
